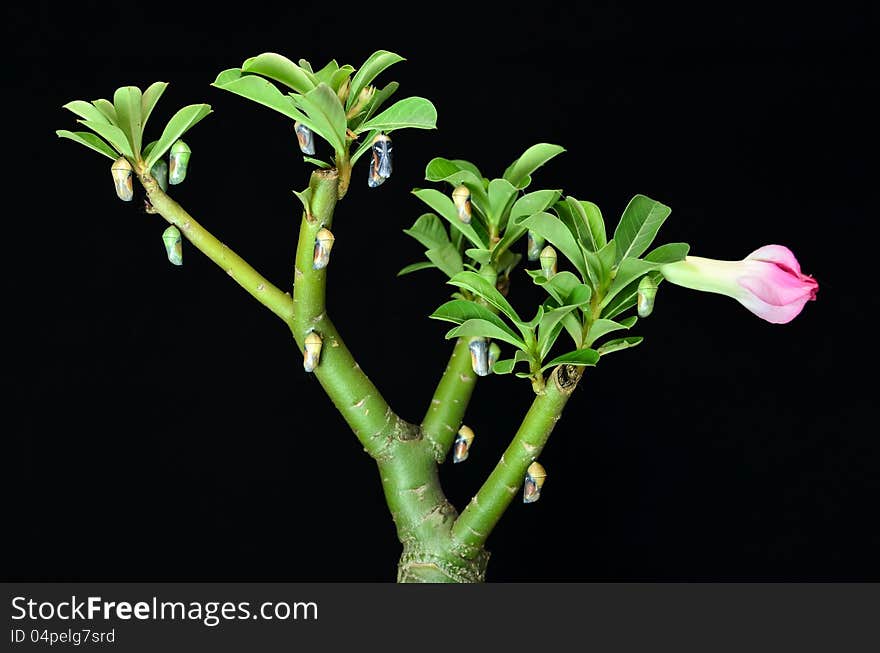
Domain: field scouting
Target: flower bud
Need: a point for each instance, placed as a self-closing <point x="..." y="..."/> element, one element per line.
<point x="462" y="446"/>
<point x="305" y="137"/>
<point x="548" y="261"/>
<point x="178" y="162"/>
<point x="645" y="297"/>
<point x="479" y="348"/>
<point x="535" y="244"/>
<point x="535" y="476"/>
<point x="461" y="197"/>
<point x="324" y="240"/>
<point x="173" y="245"/>
<point x="159" y="171"/>
<point x="312" y="353"/>
<point x="122" y="173"/>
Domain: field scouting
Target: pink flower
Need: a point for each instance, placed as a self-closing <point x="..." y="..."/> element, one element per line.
<point x="768" y="281"/>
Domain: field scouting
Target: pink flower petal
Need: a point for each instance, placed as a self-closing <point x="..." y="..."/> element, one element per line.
<point x="774" y="285"/>
<point x="778" y="254"/>
<point x="770" y="312"/>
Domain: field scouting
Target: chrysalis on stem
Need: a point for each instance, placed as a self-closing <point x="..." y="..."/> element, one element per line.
<point x="548" y="261"/>
<point x="462" y="445"/>
<point x="479" y="348"/>
<point x="645" y="296"/>
<point x="380" y="166"/>
<point x="461" y="197"/>
<point x="324" y="240"/>
<point x="173" y="245"/>
<point x="312" y="353"/>
<point x="535" y="476"/>
<point x="305" y="137"/>
<point x="535" y="244"/>
<point x="178" y="162"/>
<point x="159" y="171"/>
<point x="494" y="354"/>
<point x="122" y="173"/>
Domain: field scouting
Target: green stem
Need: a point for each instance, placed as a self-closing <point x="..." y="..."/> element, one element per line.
<point x="472" y="528"/>
<point x="280" y="303"/>
<point x="351" y="391"/>
<point x="450" y="400"/>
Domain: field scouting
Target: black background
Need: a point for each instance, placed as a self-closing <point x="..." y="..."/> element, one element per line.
<point x="160" y="427"/>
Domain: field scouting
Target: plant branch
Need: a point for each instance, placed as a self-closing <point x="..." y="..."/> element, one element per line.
<point x="280" y="303"/>
<point x="472" y="528"/>
<point x="450" y="400"/>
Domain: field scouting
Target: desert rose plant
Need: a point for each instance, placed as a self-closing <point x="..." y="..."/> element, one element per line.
<point x="476" y="231"/>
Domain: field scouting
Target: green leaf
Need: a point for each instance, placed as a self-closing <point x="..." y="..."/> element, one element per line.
<point x="127" y="102"/>
<point x="482" y="287"/>
<point x="668" y="253"/>
<point x="574" y="328"/>
<point x="603" y="327"/>
<point x="501" y="196"/>
<point x="326" y="73"/>
<point x="527" y="205"/>
<point x="87" y="111"/>
<point x="180" y="123"/>
<point x="550" y="327"/>
<point x="281" y="69"/>
<point x="261" y="91"/>
<point x="413" y="267"/>
<point x="483" y="256"/>
<point x="379" y="98"/>
<point x="447" y="259"/>
<point x="90" y="141"/>
<point x="626" y="298"/>
<point x="620" y="343"/>
<point x="641" y="220"/>
<point x="627" y="270"/>
<point x="553" y="230"/>
<point x="414" y="112"/>
<point x="149" y="99"/>
<point x="443" y="205"/>
<point x="577" y="357"/>
<point x="338" y="78"/>
<point x="326" y="115"/>
<point x="429" y="231"/>
<point x="460" y="311"/>
<point x="107" y="110"/>
<point x="454" y="173"/>
<point x="534" y="202"/>
<point x="504" y="366"/>
<point x="371" y="68"/>
<point x="305" y="198"/>
<point x="585" y="221"/>
<point x="532" y="159"/>
<point x="112" y="134"/>
<point x="559" y="286"/>
<point x="317" y="162"/>
<point x="484" y="329"/>
<point x="595" y="222"/>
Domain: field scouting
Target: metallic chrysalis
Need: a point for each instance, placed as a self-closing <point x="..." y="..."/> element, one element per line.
<point x="535" y="476"/>
<point x="173" y="245"/>
<point x="324" y="240"/>
<point x="160" y="174"/>
<point x="479" y="348"/>
<point x="462" y="445"/>
<point x="645" y="297"/>
<point x="122" y="179"/>
<point x="461" y="197"/>
<point x="312" y="351"/>
<point x="178" y="162"/>
<point x="305" y="137"/>
<point x="380" y="165"/>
